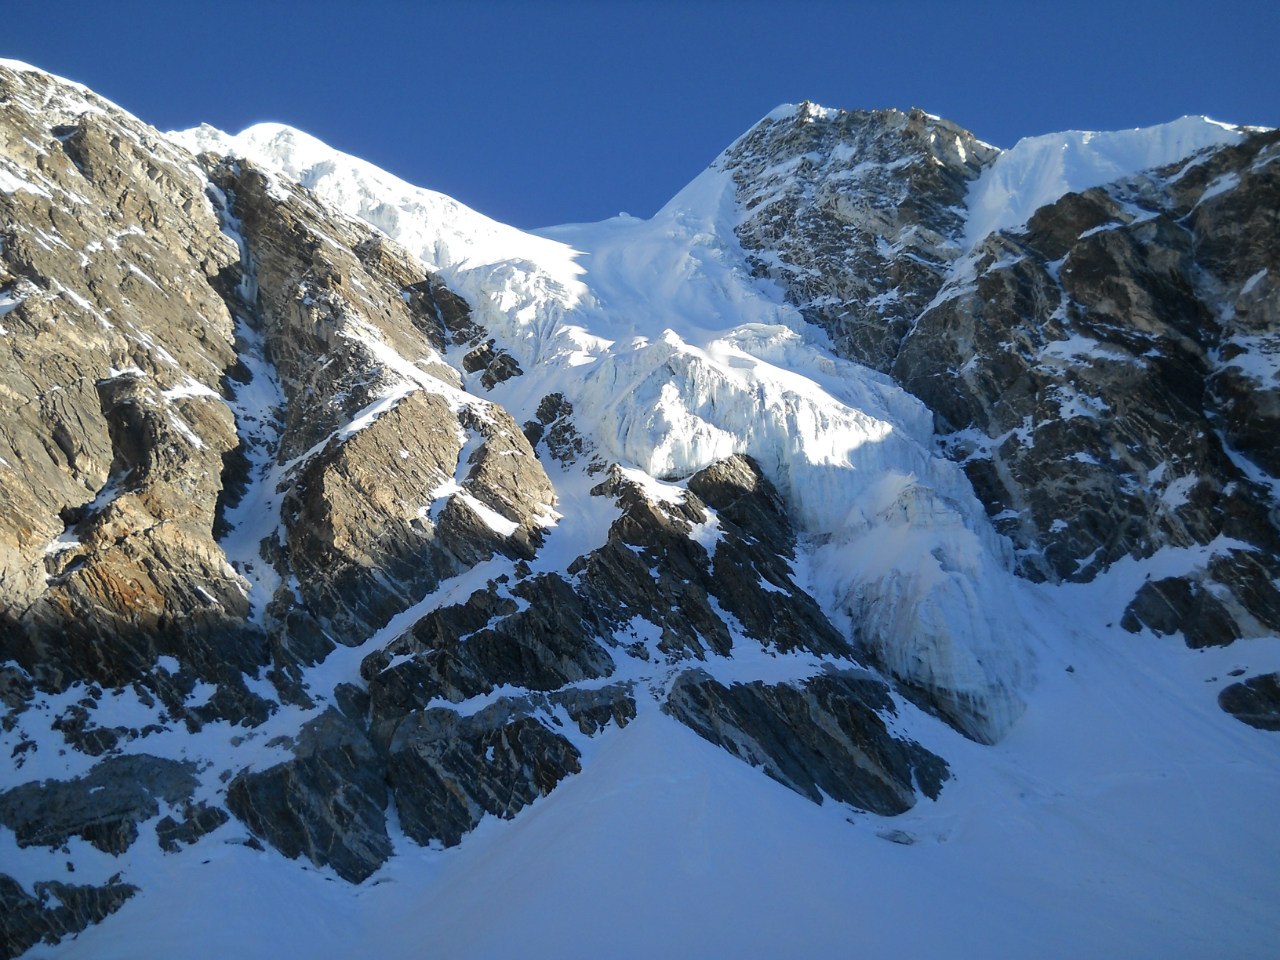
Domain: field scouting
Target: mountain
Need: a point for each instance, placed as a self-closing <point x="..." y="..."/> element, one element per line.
<point x="885" y="530"/>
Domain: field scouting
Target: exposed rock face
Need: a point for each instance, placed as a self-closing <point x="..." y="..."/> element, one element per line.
<point x="197" y="820"/>
<point x="1095" y="435"/>
<point x="538" y="635"/>
<point x="1255" y="701"/>
<point x="671" y="562"/>
<point x="327" y="803"/>
<point x="824" y="738"/>
<point x="257" y="482"/>
<point x="857" y="214"/>
<point x="288" y="406"/>
<point x="730" y="552"/>
<point x="256" y="450"/>
<point x="103" y="807"/>
<point x="112" y="452"/>
<point x="53" y="911"/>
<point x="449" y="769"/>
<point x="376" y="508"/>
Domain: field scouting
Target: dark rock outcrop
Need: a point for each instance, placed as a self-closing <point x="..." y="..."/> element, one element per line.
<point x="327" y="803"/>
<point x="1176" y="603"/>
<point x="1102" y="374"/>
<point x="674" y="563"/>
<point x="823" y="738"/>
<point x="197" y="820"/>
<point x="1255" y="701"/>
<point x="857" y="214"/>
<point x="539" y="635"/>
<point x="594" y="708"/>
<point x="103" y="807"/>
<point x="52" y="911"/>
<point x="448" y="770"/>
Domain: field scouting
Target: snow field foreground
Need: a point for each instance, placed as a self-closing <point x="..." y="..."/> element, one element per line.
<point x="1117" y="819"/>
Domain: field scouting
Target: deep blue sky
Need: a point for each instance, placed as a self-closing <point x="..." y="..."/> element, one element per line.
<point x="547" y="112"/>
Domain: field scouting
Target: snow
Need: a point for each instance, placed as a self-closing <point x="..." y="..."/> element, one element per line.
<point x="435" y="227"/>
<point x="1258" y="358"/>
<point x="191" y="387"/>
<point x="658" y="329"/>
<point x="806" y="112"/>
<point x="1220" y="185"/>
<point x="10" y="182"/>
<point x="492" y="519"/>
<point x="1038" y="170"/>
<point x="9" y="301"/>
<point x="257" y="406"/>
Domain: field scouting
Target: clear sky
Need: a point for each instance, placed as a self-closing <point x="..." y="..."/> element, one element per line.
<point x="556" y="111"/>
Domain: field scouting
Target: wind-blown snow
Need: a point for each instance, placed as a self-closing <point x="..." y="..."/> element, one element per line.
<point x="1038" y="170"/>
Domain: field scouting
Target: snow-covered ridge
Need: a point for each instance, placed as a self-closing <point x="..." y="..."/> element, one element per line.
<point x="441" y="231"/>
<point x="1038" y="170"/>
<point x="19" y="66"/>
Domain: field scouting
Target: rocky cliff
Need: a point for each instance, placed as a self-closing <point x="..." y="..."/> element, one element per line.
<point x="333" y="516"/>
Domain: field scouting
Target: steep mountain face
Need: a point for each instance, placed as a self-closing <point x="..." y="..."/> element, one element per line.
<point x="336" y="515"/>
<point x="1101" y="369"/>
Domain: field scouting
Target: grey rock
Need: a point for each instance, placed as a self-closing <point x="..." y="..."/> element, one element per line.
<point x="857" y="215"/>
<point x="103" y="807"/>
<point x="494" y="366"/>
<point x="358" y="537"/>
<point x="197" y="820"/>
<point x="901" y="837"/>
<point x="594" y="708"/>
<point x="1255" y="701"/>
<point x="113" y="450"/>
<point x="449" y="770"/>
<point x="1177" y="603"/>
<point x="750" y="575"/>
<point x="355" y="539"/>
<point x="824" y="738"/>
<point x="327" y="803"/>
<point x="557" y="431"/>
<point x="53" y="911"/>
<point x="1092" y="372"/>
<point x="541" y="636"/>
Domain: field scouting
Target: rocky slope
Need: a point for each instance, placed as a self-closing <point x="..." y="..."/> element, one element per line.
<point x="336" y="515"/>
